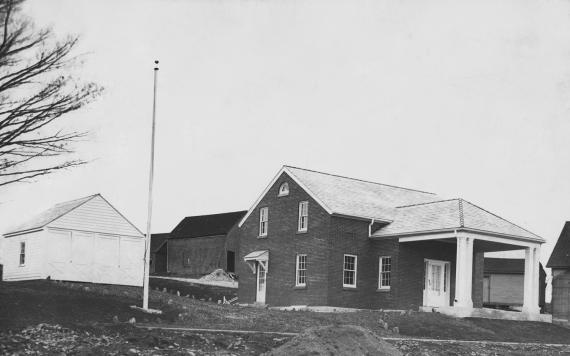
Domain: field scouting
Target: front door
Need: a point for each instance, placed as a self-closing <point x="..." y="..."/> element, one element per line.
<point x="436" y="288"/>
<point x="261" y="283"/>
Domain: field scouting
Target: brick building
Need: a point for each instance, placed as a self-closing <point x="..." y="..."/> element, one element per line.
<point x="319" y="239"/>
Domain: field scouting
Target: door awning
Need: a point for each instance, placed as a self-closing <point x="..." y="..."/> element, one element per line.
<point x="261" y="256"/>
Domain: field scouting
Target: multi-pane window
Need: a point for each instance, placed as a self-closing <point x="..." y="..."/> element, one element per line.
<point x="349" y="271"/>
<point x="384" y="272"/>
<point x="263" y="221"/>
<point x="301" y="271"/>
<point x="303" y="216"/>
<point x="22" y="253"/>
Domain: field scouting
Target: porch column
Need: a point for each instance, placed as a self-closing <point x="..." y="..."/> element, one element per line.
<point x="531" y="280"/>
<point x="463" y="272"/>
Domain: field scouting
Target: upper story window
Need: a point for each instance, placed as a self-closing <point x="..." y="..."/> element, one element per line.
<point x="301" y="271"/>
<point x="284" y="189"/>
<point x="349" y="271"/>
<point x="263" y="221"/>
<point x="384" y="272"/>
<point x="22" y="253"/>
<point x="303" y="216"/>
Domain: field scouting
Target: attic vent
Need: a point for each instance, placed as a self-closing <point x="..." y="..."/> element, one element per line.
<point x="284" y="189"/>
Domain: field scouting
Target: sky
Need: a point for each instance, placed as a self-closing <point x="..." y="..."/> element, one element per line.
<point x="465" y="99"/>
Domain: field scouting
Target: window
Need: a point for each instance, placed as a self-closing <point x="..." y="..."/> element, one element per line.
<point x="384" y="272"/>
<point x="301" y="271"/>
<point x="349" y="271"/>
<point x="263" y="221"/>
<point x="284" y="189"/>
<point x="22" y="253"/>
<point x="303" y="216"/>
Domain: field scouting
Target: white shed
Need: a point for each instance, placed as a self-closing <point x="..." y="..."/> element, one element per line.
<point x="83" y="240"/>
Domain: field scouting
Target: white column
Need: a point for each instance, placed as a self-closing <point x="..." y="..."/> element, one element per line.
<point x="530" y="296"/>
<point x="464" y="272"/>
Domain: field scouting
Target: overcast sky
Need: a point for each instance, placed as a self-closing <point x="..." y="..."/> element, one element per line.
<point x="466" y="99"/>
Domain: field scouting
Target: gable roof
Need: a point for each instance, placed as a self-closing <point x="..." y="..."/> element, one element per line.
<point x="402" y="210"/>
<point x="560" y="257"/>
<point x="206" y="225"/>
<point x="157" y="240"/>
<point x="451" y="214"/>
<point x="49" y="215"/>
<point x="351" y="197"/>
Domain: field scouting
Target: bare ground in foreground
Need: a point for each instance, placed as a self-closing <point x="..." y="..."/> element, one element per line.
<point x="44" y="317"/>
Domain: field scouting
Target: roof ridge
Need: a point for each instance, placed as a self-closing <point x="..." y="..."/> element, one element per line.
<point x="227" y="213"/>
<point x="357" y="179"/>
<point x="431" y="202"/>
<point x="461" y="217"/>
<point x="497" y="216"/>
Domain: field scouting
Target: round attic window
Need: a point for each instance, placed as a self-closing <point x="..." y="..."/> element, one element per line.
<point x="284" y="189"/>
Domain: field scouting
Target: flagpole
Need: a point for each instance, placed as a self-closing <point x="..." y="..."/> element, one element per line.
<point x="149" y="216"/>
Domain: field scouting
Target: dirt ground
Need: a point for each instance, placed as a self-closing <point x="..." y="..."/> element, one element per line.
<point x="45" y="317"/>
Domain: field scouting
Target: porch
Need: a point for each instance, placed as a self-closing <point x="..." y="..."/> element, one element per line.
<point x="451" y="284"/>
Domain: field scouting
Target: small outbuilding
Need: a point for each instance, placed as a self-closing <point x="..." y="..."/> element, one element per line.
<point x="560" y="263"/>
<point x="83" y="240"/>
<point x="198" y="244"/>
<point x="503" y="283"/>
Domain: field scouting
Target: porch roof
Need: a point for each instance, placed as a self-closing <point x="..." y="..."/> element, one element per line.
<point x="447" y="215"/>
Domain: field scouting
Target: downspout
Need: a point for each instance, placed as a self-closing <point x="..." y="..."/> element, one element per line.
<point x="370" y="227"/>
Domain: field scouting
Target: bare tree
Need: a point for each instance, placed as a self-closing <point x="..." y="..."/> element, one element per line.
<point x="36" y="90"/>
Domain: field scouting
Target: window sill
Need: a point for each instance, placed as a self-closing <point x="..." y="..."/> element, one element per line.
<point x="302" y="232"/>
<point x="262" y="237"/>
<point x="383" y="290"/>
<point x="348" y="288"/>
<point x="300" y="287"/>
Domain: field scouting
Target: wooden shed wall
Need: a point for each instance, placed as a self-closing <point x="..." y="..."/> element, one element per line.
<point x="98" y="216"/>
<point x="561" y="296"/>
<point x="33" y="268"/>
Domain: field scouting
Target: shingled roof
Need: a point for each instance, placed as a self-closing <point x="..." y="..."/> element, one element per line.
<point x="49" y="215"/>
<point x="560" y="257"/>
<point x="402" y="210"/>
<point x="206" y="225"/>
<point x="450" y="214"/>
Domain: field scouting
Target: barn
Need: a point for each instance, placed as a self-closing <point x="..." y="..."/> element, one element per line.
<point x="199" y="244"/>
<point x="83" y="240"/>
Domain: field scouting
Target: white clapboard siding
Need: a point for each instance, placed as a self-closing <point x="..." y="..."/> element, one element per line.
<point x="33" y="267"/>
<point x="96" y="215"/>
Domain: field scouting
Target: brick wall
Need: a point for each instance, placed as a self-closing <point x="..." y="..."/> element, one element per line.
<point x="350" y="236"/>
<point x="196" y="256"/>
<point x="411" y="263"/>
<point x="283" y="243"/>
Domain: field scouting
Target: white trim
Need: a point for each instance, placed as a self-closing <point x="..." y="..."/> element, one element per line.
<point x="299" y="227"/>
<point x="20" y="264"/>
<point x="284" y="169"/>
<point x="380" y="286"/>
<point x="297" y="284"/>
<point x="355" y="270"/>
<point x="263" y="232"/>
<point x="285" y="192"/>
<point x="420" y="235"/>
<point x="479" y="235"/>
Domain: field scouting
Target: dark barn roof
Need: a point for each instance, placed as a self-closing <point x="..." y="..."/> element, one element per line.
<point x="560" y="257"/>
<point x="156" y="241"/>
<point x="206" y="225"/>
<point x="505" y="266"/>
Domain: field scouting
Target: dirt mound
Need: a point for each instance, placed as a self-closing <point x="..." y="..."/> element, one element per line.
<point x="218" y="275"/>
<point x="336" y="340"/>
